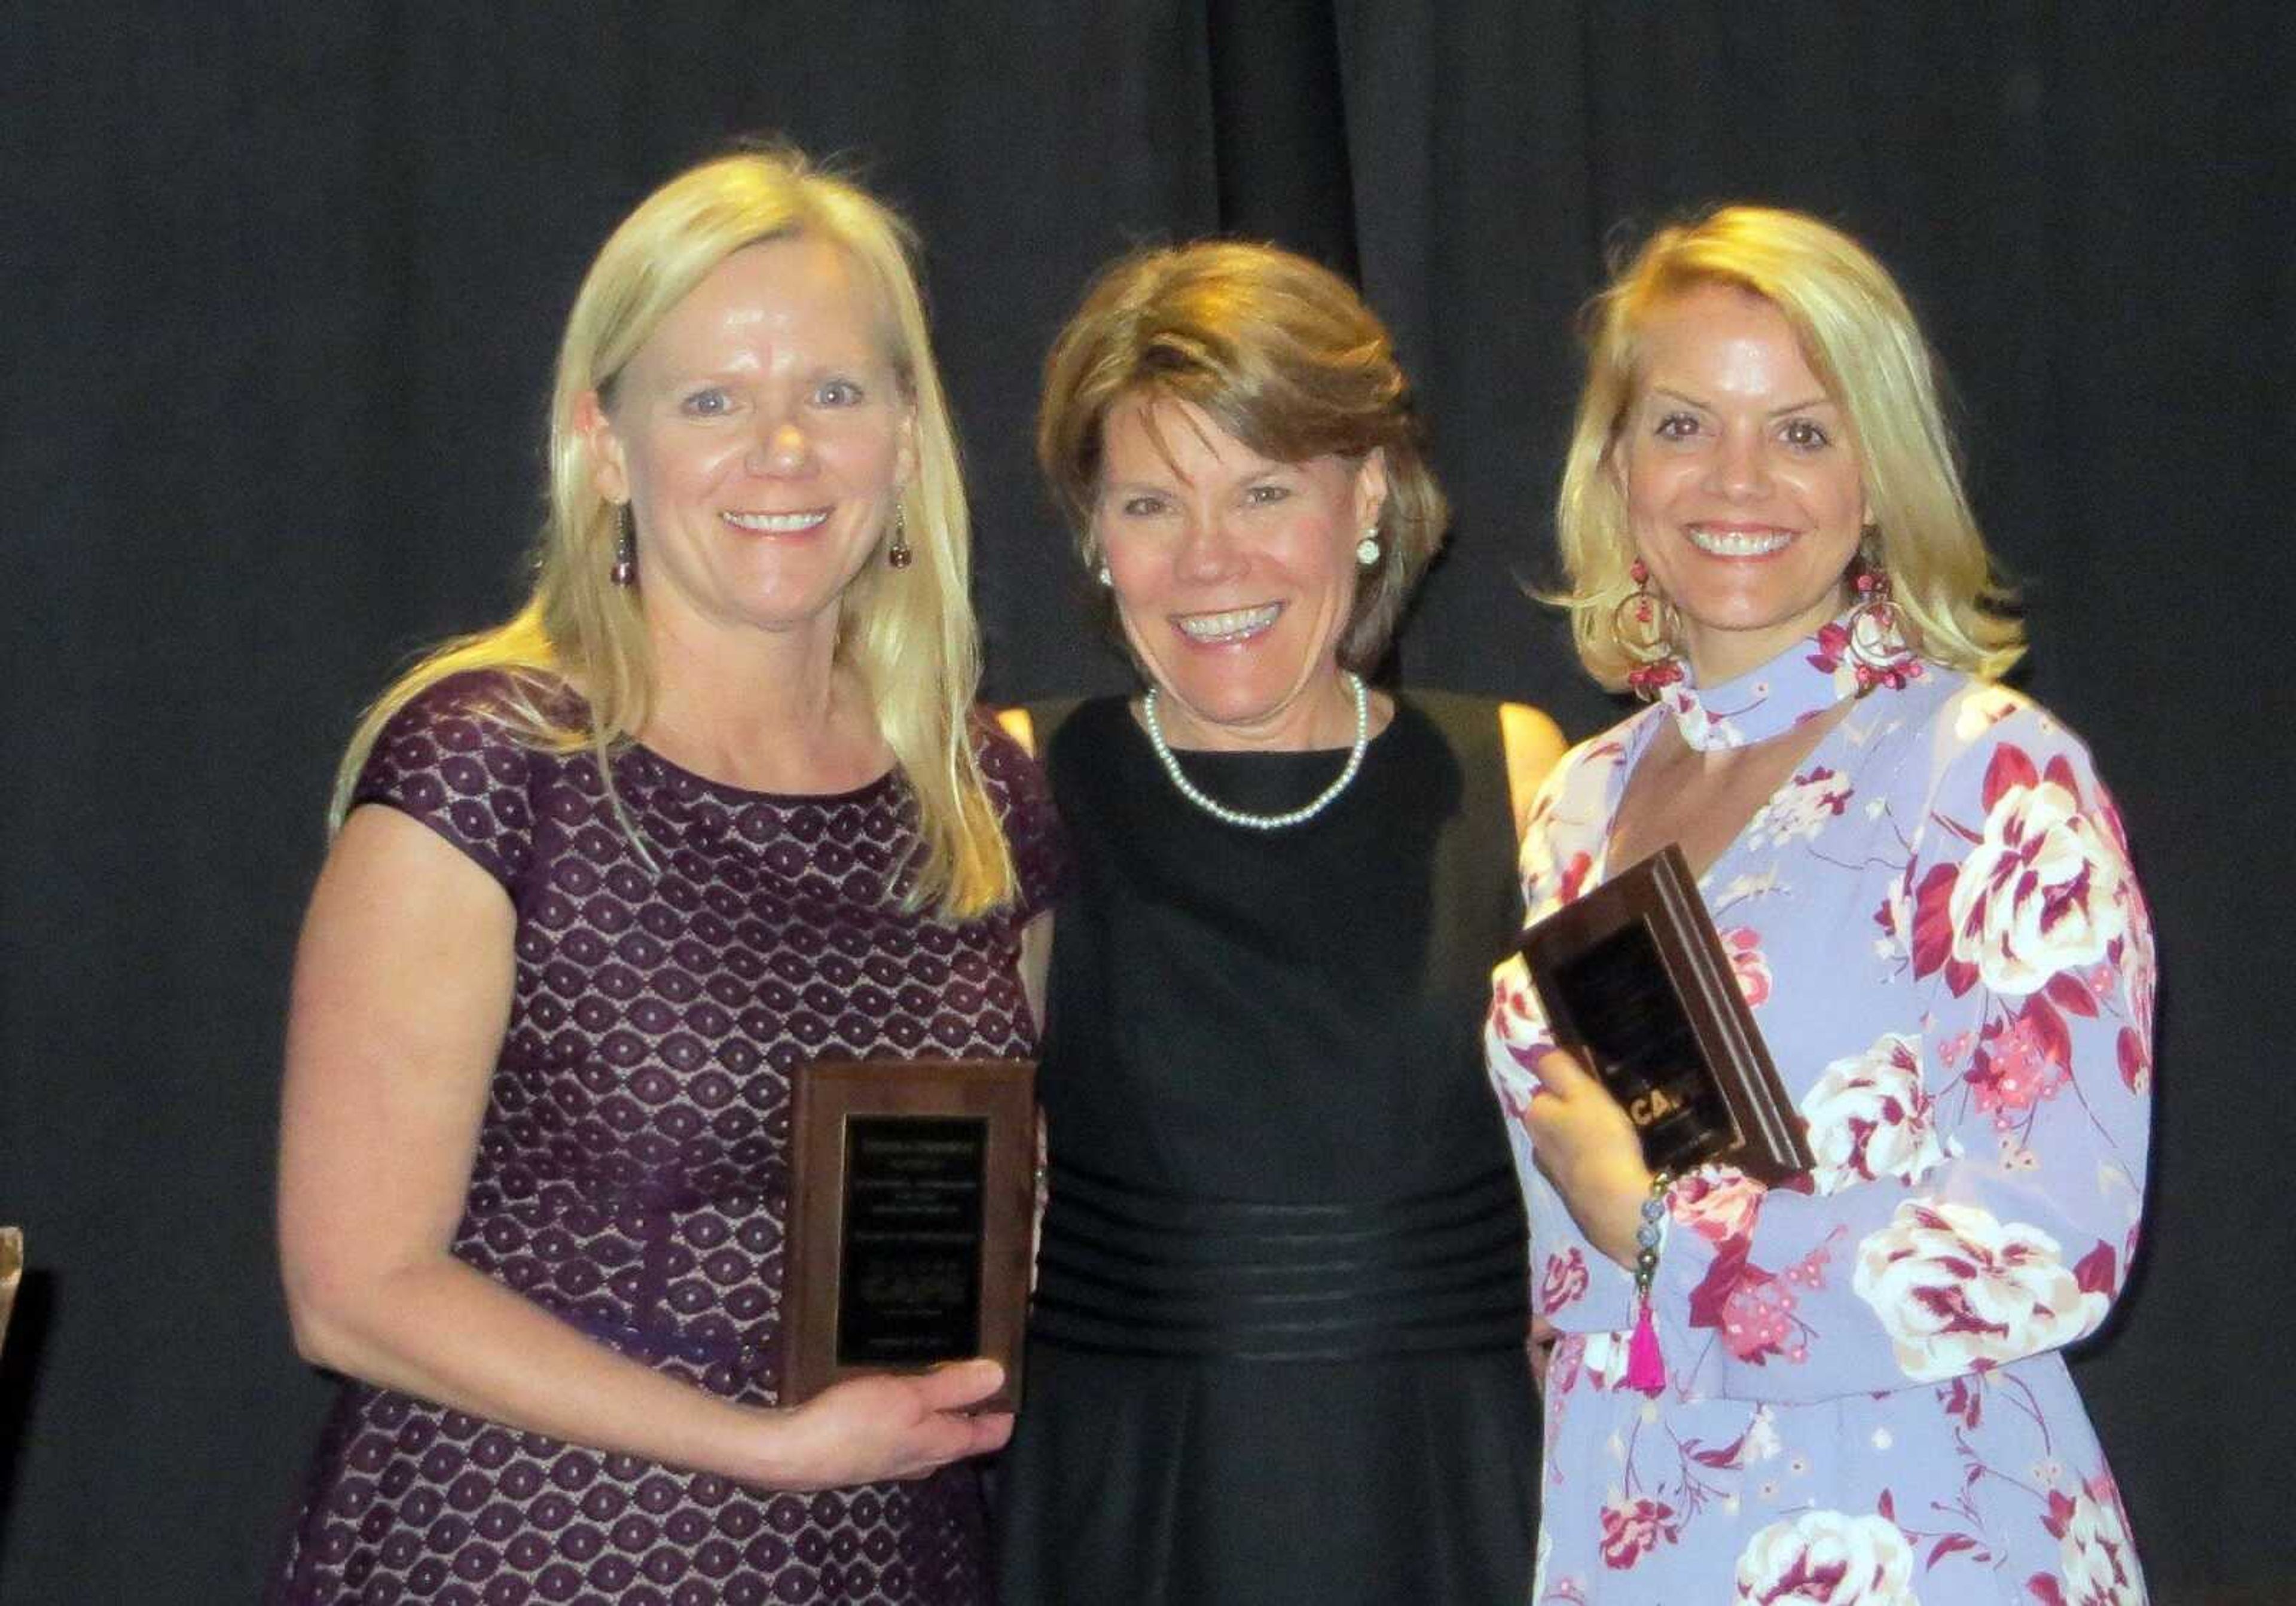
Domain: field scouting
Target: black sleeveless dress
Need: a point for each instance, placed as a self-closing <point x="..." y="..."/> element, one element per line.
<point x="1276" y="1352"/>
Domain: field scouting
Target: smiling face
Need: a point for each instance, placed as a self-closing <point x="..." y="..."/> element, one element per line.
<point x="1235" y="575"/>
<point x="760" y="436"/>
<point x="1743" y="488"/>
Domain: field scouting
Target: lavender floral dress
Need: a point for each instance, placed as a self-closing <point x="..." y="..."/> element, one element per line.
<point x="1936" y="924"/>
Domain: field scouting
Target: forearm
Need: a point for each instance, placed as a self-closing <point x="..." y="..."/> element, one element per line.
<point x="445" y="1332"/>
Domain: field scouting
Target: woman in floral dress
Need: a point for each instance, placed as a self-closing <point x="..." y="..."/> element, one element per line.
<point x="1858" y="1393"/>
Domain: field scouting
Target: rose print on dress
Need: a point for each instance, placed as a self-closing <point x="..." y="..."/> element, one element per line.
<point x="1631" y="1528"/>
<point x="1869" y="1117"/>
<point x="1719" y="1202"/>
<point x="2098" y="1565"/>
<point x="1958" y="1289"/>
<point x="1743" y="944"/>
<point x="1565" y="1280"/>
<point x="1802" y="808"/>
<point x="2041" y="891"/>
<point x="1827" y="1559"/>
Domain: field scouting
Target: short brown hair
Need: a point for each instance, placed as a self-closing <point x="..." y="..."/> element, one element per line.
<point x="1279" y="352"/>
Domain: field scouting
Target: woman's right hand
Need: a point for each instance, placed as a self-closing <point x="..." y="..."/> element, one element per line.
<point x="869" y="1428"/>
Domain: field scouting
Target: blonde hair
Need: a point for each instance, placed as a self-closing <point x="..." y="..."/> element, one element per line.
<point x="1279" y="352"/>
<point x="1859" y="337"/>
<point x="908" y="635"/>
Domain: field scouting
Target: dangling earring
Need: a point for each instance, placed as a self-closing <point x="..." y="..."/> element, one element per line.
<point x="898" y="555"/>
<point x="1880" y="655"/>
<point x="1645" y="624"/>
<point x="625" y="571"/>
<point x="1367" y="549"/>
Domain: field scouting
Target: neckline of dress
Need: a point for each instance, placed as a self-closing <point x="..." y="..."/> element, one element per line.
<point x="675" y="771"/>
<point x="1807" y="680"/>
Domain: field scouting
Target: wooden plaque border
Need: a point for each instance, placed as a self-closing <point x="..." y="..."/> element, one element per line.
<point x="1769" y="1144"/>
<point x="825" y="1095"/>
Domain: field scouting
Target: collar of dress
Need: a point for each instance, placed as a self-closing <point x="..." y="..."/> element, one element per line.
<point x="1801" y="683"/>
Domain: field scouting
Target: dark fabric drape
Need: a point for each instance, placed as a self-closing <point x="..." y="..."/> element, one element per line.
<point x="278" y="292"/>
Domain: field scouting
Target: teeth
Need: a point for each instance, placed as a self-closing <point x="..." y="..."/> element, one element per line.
<point x="777" y="524"/>
<point x="1224" y="627"/>
<point x="1738" y="543"/>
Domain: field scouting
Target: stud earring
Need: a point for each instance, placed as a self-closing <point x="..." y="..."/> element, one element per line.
<point x="1105" y="578"/>
<point x="1367" y="549"/>
<point x="898" y="555"/>
<point x="625" y="571"/>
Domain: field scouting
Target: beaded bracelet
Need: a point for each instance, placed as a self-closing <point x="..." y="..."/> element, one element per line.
<point x="1645" y="1368"/>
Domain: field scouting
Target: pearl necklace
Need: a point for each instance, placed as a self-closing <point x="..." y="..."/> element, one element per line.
<point x="1251" y="822"/>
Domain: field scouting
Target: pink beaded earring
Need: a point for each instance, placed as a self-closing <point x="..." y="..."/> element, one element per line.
<point x="1645" y="624"/>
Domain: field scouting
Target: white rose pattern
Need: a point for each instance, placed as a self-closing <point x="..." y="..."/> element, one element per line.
<point x="1827" y="1559"/>
<point x="1870" y="1117"/>
<point x="2042" y="893"/>
<point x="2097" y="1560"/>
<point x="1958" y="1290"/>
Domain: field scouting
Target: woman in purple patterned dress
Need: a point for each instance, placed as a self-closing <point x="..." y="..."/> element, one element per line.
<point x="1856" y="1393"/>
<point x="713" y="805"/>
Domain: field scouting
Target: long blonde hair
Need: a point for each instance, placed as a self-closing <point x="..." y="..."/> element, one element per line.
<point x="909" y="636"/>
<point x="1859" y="337"/>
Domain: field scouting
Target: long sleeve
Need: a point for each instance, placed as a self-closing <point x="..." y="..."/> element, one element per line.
<point x="1981" y="1160"/>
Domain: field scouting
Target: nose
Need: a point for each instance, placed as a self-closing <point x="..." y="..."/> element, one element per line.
<point x="1208" y="550"/>
<point x="1741" y="466"/>
<point x="780" y="447"/>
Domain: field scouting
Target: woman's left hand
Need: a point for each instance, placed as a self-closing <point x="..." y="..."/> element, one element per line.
<point x="1588" y="1149"/>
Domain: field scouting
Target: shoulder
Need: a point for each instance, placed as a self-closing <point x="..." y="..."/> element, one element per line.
<point x="461" y="757"/>
<point x="1009" y="769"/>
<point x="1590" y="763"/>
<point x="1982" y="737"/>
<point x="485" y="710"/>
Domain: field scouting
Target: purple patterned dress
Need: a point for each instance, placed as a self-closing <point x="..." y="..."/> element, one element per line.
<point x="632" y="1166"/>
<point x="1935" y="921"/>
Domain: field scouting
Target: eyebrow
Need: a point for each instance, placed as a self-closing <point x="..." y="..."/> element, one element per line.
<point x="1820" y="400"/>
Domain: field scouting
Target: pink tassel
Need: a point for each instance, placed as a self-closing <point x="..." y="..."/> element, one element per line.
<point x="1645" y="1371"/>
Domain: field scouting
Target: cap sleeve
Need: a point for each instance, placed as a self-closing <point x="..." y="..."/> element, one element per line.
<point x="449" y="759"/>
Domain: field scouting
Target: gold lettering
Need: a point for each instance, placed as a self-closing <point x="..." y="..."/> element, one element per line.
<point x="1651" y="1106"/>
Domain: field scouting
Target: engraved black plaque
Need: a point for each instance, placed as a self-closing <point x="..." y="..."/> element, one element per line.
<point x="1635" y="976"/>
<point x="909" y="1290"/>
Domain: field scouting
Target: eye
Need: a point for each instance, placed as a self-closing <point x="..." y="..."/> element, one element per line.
<point x="710" y="401"/>
<point x="1266" y="496"/>
<point x="1676" y="426"/>
<point x="1805" y="435"/>
<point x="1143" y="506"/>
<point x="837" y="393"/>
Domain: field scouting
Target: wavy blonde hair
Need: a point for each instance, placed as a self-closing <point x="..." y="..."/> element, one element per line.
<point x="1859" y="337"/>
<point x="909" y="636"/>
<point x="1280" y="353"/>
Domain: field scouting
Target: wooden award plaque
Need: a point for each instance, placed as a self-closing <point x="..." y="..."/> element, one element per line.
<point x="911" y="1189"/>
<point x="1635" y="976"/>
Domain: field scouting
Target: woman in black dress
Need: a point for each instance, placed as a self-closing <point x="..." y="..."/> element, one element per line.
<point x="1277" y="1347"/>
<point x="713" y="805"/>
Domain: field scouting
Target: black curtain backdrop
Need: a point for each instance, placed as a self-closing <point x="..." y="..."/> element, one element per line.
<point x="278" y="292"/>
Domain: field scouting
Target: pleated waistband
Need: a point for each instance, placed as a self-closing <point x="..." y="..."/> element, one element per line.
<point x="1132" y="1271"/>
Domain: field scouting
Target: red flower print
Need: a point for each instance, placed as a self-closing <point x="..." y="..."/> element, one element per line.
<point x="1744" y="944"/>
<point x="1564" y="1281"/>
<point x="1632" y="1529"/>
